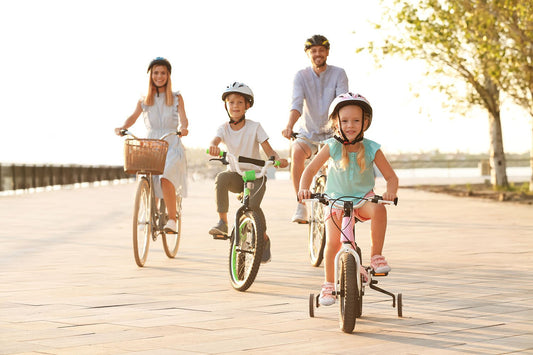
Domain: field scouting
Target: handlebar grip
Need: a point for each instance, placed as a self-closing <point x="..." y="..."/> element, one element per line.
<point x="220" y="154"/>
<point x="251" y="161"/>
<point x="396" y="201"/>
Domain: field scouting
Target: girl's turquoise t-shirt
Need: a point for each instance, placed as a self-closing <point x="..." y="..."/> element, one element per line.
<point x="350" y="181"/>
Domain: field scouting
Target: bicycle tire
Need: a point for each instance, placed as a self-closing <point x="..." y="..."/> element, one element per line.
<point x="171" y="241"/>
<point x="246" y="249"/>
<point x="317" y="229"/>
<point x="359" y="308"/>
<point x="142" y="227"/>
<point x="349" y="293"/>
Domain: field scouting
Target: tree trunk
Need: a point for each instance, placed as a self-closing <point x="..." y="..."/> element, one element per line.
<point x="498" y="171"/>
<point x="531" y="160"/>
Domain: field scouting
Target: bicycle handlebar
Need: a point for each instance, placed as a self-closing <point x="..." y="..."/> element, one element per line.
<point x="296" y="135"/>
<point x="125" y="132"/>
<point x="325" y="199"/>
<point x="228" y="158"/>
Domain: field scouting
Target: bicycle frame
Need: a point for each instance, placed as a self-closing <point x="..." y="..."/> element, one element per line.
<point x="246" y="247"/>
<point x="149" y="217"/>
<point x="348" y="243"/>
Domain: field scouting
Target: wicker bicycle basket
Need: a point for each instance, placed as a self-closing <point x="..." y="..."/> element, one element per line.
<point x="145" y="156"/>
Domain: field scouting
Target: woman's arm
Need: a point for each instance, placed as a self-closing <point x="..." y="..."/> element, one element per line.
<point x="312" y="168"/>
<point x="184" y="122"/>
<point x="130" y="121"/>
<point x="267" y="148"/>
<point x="388" y="173"/>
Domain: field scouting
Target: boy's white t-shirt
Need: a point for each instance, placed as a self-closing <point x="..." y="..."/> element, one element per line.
<point x="244" y="142"/>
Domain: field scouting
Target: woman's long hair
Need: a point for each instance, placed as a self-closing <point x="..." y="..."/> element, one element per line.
<point x="152" y="91"/>
<point x="345" y="159"/>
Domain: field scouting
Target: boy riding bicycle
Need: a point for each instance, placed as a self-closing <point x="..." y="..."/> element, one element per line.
<point x="242" y="137"/>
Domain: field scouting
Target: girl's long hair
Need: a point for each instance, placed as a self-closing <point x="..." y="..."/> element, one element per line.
<point x="152" y="91"/>
<point x="345" y="159"/>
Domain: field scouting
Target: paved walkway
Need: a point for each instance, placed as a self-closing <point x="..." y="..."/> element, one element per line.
<point x="69" y="284"/>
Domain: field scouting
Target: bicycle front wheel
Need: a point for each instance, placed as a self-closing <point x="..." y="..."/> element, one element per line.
<point x="142" y="228"/>
<point x="350" y="294"/>
<point x="317" y="230"/>
<point x="246" y="250"/>
<point x="171" y="241"/>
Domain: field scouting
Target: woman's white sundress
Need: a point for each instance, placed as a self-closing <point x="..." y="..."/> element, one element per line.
<point x="159" y="120"/>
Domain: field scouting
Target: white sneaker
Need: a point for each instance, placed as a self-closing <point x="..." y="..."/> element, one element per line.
<point x="171" y="226"/>
<point x="326" y="294"/>
<point x="300" y="216"/>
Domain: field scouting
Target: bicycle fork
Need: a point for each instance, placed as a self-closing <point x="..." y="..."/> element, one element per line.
<point x="348" y="246"/>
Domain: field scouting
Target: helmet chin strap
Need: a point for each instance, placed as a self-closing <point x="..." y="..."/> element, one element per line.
<point x="344" y="140"/>
<point x="157" y="87"/>
<point x="232" y="121"/>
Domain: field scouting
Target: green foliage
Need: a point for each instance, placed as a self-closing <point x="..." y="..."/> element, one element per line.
<point x="487" y="43"/>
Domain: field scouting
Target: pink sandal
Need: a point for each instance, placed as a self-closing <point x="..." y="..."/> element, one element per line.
<point x="379" y="264"/>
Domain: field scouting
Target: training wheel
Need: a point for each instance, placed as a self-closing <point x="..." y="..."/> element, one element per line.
<point x="311" y="305"/>
<point x="399" y="305"/>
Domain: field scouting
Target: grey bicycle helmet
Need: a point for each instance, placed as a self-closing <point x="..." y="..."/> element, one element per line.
<point x="239" y="88"/>
<point x="316" y="40"/>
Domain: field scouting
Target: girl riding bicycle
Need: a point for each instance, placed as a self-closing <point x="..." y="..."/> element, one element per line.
<point x="241" y="137"/>
<point x="351" y="173"/>
<point x="164" y="112"/>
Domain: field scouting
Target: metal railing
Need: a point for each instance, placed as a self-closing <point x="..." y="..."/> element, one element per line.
<point x="27" y="176"/>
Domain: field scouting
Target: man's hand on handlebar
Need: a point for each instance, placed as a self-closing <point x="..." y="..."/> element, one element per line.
<point x="287" y="133"/>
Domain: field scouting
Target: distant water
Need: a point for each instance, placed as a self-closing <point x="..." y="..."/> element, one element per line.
<point x="443" y="175"/>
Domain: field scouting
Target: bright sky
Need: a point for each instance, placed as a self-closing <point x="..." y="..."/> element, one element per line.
<point x="74" y="70"/>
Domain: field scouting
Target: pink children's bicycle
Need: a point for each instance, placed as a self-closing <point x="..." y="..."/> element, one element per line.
<point x="351" y="277"/>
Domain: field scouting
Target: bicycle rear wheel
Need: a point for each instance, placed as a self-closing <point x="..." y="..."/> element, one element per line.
<point x="171" y="241"/>
<point x="350" y="294"/>
<point x="142" y="228"/>
<point x="246" y="250"/>
<point x="317" y="230"/>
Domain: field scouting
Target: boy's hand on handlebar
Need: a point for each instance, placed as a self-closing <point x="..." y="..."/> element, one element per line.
<point x="283" y="163"/>
<point x="304" y="194"/>
<point x="214" y="151"/>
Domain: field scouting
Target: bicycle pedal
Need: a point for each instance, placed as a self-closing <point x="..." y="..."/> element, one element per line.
<point x="380" y="274"/>
<point x="220" y="236"/>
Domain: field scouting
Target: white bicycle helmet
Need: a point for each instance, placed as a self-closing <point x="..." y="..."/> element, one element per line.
<point x="239" y="88"/>
<point x="351" y="99"/>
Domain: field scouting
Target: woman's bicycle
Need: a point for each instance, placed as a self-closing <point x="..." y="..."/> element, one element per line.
<point x="145" y="158"/>
<point x="247" y="236"/>
<point x="317" y="230"/>
<point x="351" y="277"/>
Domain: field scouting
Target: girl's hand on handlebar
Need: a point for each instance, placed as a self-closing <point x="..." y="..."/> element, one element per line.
<point x="118" y="131"/>
<point x="304" y="194"/>
<point x="214" y="151"/>
<point x="183" y="132"/>
<point x="389" y="196"/>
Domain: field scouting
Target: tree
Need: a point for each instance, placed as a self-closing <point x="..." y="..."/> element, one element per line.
<point x="516" y="24"/>
<point x="458" y="38"/>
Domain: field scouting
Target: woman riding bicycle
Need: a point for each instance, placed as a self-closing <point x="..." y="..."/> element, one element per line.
<point x="241" y="137"/>
<point x="351" y="173"/>
<point x="164" y="112"/>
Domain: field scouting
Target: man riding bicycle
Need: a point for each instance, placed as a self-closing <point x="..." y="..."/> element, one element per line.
<point x="314" y="89"/>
